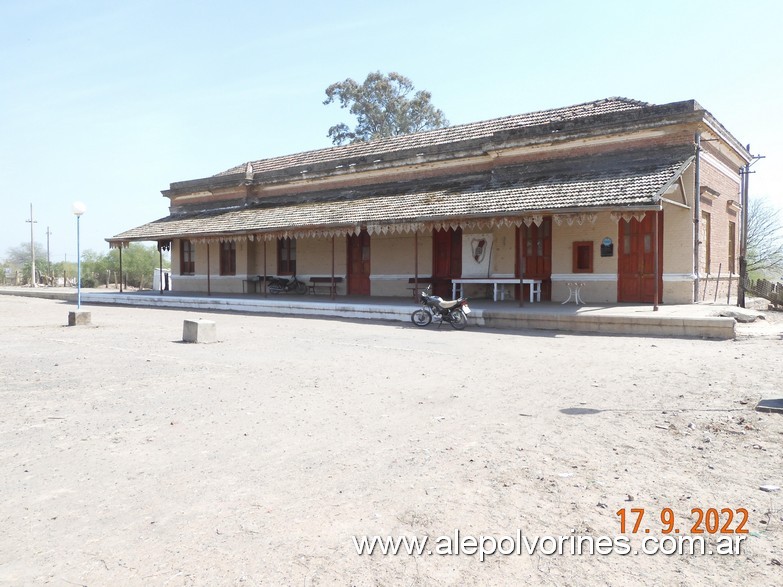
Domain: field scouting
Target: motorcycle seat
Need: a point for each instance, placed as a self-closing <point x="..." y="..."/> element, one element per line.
<point x="450" y="304"/>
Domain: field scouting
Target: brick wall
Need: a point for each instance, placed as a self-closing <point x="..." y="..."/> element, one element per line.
<point x="720" y="188"/>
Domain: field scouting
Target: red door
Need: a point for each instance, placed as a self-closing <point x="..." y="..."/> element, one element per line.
<point x="636" y="259"/>
<point x="446" y="260"/>
<point x="534" y="257"/>
<point x="359" y="264"/>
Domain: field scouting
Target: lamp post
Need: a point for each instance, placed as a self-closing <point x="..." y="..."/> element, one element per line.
<point x="78" y="209"/>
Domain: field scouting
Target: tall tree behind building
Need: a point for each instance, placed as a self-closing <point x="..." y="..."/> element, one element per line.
<point x="765" y="240"/>
<point x="384" y="106"/>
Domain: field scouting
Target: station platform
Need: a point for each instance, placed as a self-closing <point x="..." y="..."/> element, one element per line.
<point x="680" y="320"/>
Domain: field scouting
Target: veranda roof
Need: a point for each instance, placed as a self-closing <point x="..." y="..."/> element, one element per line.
<point x="630" y="181"/>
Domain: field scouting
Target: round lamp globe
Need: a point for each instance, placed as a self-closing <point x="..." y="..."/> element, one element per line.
<point x="79" y="208"/>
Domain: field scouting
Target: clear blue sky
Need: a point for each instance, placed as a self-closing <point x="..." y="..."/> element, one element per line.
<point x="108" y="102"/>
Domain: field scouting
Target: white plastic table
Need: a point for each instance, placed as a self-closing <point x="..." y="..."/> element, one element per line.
<point x="574" y="288"/>
<point x="535" y="286"/>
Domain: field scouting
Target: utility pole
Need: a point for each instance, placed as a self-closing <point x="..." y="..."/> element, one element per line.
<point x="48" y="259"/>
<point x="696" y="216"/>
<point x="744" y="196"/>
<point x="32" y="246"/>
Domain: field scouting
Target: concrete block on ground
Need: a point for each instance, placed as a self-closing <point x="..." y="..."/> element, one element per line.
<point x="199" y="331"/>
<point x="79" y="318"/>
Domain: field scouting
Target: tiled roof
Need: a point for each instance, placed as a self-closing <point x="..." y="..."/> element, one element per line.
<point x="452" y="134"/>
<point x="630" y="180"/>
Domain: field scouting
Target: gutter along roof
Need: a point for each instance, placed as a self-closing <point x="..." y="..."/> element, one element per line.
<point x="623" y="180"/>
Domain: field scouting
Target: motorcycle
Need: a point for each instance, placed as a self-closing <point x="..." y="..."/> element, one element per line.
<point x="278" y="285"/>
<point x="435" y="307"/>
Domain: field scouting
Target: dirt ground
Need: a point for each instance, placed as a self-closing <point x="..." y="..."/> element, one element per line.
<point x="130" y="458"/>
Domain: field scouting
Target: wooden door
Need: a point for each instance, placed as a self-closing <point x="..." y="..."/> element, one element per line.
<point x="359" y="264"/>
<point x="534" y="257"/>
<point x="446" y="260"/>
<point x="636" y="259"/>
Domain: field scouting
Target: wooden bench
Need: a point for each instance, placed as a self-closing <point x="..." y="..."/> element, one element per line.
<point x="251" y="281"/>
<point x="328" y="283"/>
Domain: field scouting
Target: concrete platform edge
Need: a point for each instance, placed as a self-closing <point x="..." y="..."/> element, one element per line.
<point x="677" y="326"/>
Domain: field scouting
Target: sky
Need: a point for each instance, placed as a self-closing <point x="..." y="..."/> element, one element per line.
<point x="108" y="102"/>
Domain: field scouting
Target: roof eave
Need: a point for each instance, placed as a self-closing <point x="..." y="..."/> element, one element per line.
<point x="722" y="132"/>
<point x="204" y="183"/>
<point x="650" y="116"/>
<point x="348" y="226"/>
<point x="660" y="193"/>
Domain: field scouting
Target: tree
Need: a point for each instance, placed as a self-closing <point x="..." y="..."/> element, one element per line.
<point x="138" y="264"/>
<point x="97" y="268"/>
<point x="19" y="256"/>
<point x="384" y="107"/>
<point x="19" y="259"/>
<point x="765" y="240"/>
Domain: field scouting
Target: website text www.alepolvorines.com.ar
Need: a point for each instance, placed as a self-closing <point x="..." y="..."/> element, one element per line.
<point x="519" y="544"/>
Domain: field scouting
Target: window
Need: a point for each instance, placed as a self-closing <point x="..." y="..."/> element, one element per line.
<point x="535" y="239"/>
<point x="583" y="257"/>
<point x="228" y="258"/>
<point x="187" y="258"/>
<point x="286" y="256"/>
<point x="706" y="237"/>
<point x="732" y="246"/>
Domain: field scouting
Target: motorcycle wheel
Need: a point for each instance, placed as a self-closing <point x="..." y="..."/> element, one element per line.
<point x="458" y="319"/>
<point x="301" y="288"/>
<point x="421" y="317"/>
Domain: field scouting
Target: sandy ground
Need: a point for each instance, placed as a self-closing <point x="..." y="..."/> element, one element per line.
<point x="129" y="458"/>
